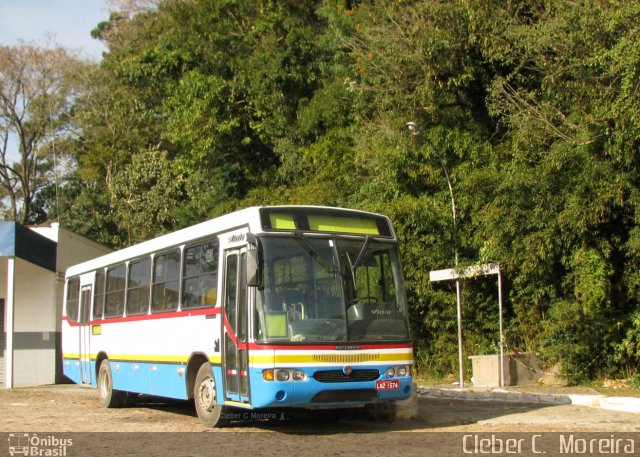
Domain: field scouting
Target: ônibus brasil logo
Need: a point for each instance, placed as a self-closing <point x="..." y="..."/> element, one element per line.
<point x="30" y="444"/>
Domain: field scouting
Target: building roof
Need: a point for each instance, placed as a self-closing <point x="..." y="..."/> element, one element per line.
<point x="18" y="241"/>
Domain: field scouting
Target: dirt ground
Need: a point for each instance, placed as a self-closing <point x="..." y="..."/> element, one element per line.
<point x="439" y="428"/>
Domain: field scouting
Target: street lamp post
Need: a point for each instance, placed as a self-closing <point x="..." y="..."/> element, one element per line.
<point x="415" y="131"/>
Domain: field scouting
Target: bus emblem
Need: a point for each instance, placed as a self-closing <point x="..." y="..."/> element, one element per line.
<point x="347" y="347"/>
<point x="347" y="370"/>
<point x="236" y="238"/>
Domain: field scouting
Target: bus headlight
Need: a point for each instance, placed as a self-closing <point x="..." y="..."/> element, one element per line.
<point x="299" y="375"/>
<point x="282" y="375"/>
<point x="399" y="371"/>
<point x="285" y="374"/>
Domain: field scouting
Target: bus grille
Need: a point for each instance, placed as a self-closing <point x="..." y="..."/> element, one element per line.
<point x="345" y="358"/>
<point x="339" y="376"/>
<point x="341" y="396"/>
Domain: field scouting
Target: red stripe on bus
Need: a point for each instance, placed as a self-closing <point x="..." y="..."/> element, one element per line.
<point x="230" y="332"/>
<point x="148" y="317"/>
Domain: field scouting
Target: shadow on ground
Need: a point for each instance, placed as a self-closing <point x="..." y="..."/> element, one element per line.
<point x="426" y="413"/>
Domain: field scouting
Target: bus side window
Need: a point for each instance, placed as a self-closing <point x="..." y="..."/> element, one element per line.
<point x="166" y="280"/>
<point x="114" y="296"/>
<point x="200" y="275"/>
<point x="230" y="301"/>
<point x="98" y="299"/>
<point x="138" y="287"/>
<point x="73" y="296"/>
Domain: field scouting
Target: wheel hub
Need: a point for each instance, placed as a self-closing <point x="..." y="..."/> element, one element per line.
<point x="207" y="395"/>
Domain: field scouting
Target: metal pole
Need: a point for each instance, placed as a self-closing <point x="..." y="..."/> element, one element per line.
<point x="501" y="328"/>
<point x="460" y="354"/>
<point x="415" y="131"/>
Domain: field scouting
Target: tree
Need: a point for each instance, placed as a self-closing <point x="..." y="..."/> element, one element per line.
<point x="145" y="195"/>
<point x="533" y="105"/>
<point x="36" y="92"/>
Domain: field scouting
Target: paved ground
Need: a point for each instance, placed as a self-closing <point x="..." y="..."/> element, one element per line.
<point x="441" y="426"/>
<point x="580" y="396"/>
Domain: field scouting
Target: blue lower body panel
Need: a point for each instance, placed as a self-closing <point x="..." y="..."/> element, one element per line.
<point x="313" y="393"/>
<point x="71" y="369"/>
<point x="169" y="380"/>
<point x="161" y="379"/>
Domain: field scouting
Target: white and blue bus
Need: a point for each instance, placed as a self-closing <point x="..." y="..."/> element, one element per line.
<point x="288" y="306"/>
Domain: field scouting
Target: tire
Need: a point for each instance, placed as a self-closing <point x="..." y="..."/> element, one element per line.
<point x="107" y="395"/>
<point x="209" y="411"/>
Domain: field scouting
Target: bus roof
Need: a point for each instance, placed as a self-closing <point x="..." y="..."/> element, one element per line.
<point x="258" y="219"/>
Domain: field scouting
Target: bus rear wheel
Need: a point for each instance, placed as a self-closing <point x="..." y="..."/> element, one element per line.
<point x="209" y="411"/>
<point x="107" y="395"/>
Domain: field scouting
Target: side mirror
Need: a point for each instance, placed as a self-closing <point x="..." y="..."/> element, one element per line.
<point x="253" y="268"/>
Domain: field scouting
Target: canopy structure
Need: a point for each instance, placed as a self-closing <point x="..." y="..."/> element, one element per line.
<point x="21" y="242"/>
<point x="32" y="262"/>
<point x="474" y="271"/>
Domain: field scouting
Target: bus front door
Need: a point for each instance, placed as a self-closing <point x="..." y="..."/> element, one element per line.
<point x="235" y="348"/>
<point x="86" y="374"/>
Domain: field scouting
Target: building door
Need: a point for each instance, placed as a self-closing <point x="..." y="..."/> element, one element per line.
<point x="86" y="374"/>
<point x="236" y="356"/>
<point x="3" y="339"/>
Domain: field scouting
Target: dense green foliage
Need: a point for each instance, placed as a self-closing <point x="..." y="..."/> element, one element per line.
<point x="204" y="106"/>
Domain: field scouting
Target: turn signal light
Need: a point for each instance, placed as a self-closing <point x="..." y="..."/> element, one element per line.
<point x="268" y="375"/>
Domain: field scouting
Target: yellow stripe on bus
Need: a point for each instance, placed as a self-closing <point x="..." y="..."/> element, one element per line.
<point x="149" y="358"/>
<point x="313" y="358"/>
<point x="237" y="404"/>
<point x="145" y="358"/>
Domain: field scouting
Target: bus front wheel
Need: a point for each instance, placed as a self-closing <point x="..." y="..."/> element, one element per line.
<point x="107" y="395"/>
<point x="209" y="411"/>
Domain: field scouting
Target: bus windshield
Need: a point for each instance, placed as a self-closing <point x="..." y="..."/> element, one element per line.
<point x="318" y="290"/>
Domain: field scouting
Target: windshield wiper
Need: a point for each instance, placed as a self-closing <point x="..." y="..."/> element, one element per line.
<point x="313" y="252"/>
<point x="356" y="264"/>
<point x="360" y="257"/>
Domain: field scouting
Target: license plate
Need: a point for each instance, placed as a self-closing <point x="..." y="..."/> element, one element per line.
<point x="388" y="384"/>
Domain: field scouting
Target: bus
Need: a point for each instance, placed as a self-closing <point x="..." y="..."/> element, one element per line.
<point x="265" y="307"/>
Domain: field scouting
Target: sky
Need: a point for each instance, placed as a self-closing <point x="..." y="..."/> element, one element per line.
<point x="67" y="23"/>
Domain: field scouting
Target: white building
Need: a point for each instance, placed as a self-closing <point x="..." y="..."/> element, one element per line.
<point x="32" y="265"/>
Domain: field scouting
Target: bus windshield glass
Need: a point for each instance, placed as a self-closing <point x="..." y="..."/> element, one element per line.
<point x="317" y="290"/>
